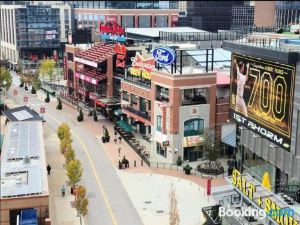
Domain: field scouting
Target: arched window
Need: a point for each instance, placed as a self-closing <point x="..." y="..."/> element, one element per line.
<point x="193" y="127"/>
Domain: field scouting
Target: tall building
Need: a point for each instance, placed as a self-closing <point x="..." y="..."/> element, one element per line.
<point x="218" y="15"/>
<point x="263" y="17"/>
<point x="287" y="13"/>
<point x="33" y="32"/>
<point x="145" y="14"/>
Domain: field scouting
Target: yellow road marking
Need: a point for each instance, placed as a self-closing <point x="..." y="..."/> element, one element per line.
<point x="100" y="185"/>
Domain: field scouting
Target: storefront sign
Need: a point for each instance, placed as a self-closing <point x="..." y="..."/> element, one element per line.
<point x="86" y="62"/>
<point x="86" y="78"/>
<point x="120" y="50"/>
<point x="164" y="55"/>
<point x="111" y="30"/>
<point x="267" y="202"/>
<point x="261" y="98"/>
<point x="192" y="141"/>
<point x="142" y="67"/>
<point x="166" y="143"/>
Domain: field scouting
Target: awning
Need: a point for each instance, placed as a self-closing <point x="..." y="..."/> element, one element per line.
<point x="125" y="126"/>
<point x="104" y="102"/>
<point x="230" y="139"/>
<point x="118" y="112"/>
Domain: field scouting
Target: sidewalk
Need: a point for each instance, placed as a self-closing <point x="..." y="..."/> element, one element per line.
<point x="57" y="203"/>
<point x="111" y="150"/>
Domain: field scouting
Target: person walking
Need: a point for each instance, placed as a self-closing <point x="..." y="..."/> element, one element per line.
<point x="120" y="138"/>
<point x="115" y="139"/>
<point x="63" y="190"/>
<point x="119" y="150"/>
<point x="48" y="169"/>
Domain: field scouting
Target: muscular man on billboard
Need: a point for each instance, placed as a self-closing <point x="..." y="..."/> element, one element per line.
<point x="241" y="80"/>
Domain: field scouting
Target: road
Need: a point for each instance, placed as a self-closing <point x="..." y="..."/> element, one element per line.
<point x="109" y="203"/>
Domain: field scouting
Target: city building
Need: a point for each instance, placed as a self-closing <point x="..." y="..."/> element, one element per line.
<point x="263" y="17"/>
<point x="217" y="15"/>
<point x="32" y="32"/>
<point x="145" y="14"/>
<point x="24" y="183"/>
<point x="266" y="109"/>
<point x="287" y="13"/>
<point x="242" y="16"/>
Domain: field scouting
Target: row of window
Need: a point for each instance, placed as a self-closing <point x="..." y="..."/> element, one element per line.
<point x="134" y="100"/>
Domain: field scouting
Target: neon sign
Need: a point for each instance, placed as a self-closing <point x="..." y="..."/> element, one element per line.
<point x="142" y="67"/>
<point x="112" y="31"/>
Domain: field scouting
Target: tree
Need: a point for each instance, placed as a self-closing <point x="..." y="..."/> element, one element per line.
<point x="47" y="68"/>
<point x="173" y="211"/>
<point x="63" y="131"/>
<point x="5" y="78"/>
<point x="69" y="154"/>
<point x="211" y="150"/>
<point x="59" y="106"/>
<point x="64" y="143"/>
<point x="74" y="172"/>
<point x="81" y="201"/>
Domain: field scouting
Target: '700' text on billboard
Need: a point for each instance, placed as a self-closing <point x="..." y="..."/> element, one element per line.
<point x="261" y="97"/>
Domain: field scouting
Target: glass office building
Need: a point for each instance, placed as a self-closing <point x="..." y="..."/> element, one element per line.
<point x="287" y="13"/>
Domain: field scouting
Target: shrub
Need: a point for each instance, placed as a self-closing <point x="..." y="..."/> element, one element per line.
<point x="179" y="161"/>
<point x="187" y="169"/>
<point x="80" y="116"/>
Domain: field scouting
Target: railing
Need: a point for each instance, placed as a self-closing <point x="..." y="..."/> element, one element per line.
<point x="194" y="102"/>
<point x="138" y="83"/>
<point x="137" y="112"/>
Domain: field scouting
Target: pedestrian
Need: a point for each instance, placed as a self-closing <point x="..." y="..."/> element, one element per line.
<point x="115" y="139"/>
<point x="63" y="190"/>
<point x="119" y="150"/>
<point x="120" y="138"/>
<point x="48" y="169"/>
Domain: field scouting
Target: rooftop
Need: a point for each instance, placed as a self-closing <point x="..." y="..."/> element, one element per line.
<point x="154" y="31"/>
<point x="22" y="113"/>
<point x="23" y="160"/>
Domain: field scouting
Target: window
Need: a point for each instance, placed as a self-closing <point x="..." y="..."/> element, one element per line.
<point x="70" y="56"/>
<point x="144" y="21"/>
<point x="193" y="127"/>
<point x="194" y="96"/>
<point x="158" y="123"/>
<point x="134" y="99"/>
<point x="125" y="96"/>
<point x="161" y="21"/>
<point x="161" y="150"/>
<point x="162" y="94"/>
<point x="149" y="105"/>
<point x="127" y="21"/>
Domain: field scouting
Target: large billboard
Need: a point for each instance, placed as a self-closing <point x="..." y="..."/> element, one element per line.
<point x="261" y="97"/>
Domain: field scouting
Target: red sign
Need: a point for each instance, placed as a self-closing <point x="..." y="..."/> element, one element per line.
<point x="42" y="110"/>
<point x="15" y="92"/>
<point x="111" y="18"/>
<point x="174" y="18"/>
<point x="111" y="28"/>
<point x="25" y="99"/>
<point x="121" y="55"/>
<point x="208" y="186"/>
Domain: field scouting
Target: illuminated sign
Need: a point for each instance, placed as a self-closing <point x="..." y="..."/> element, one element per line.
<point x="142" y="67"/>
<point x="261" y="98"/>
<point x="163" y="55"/>
<point x="112" y="31"/>
<point x="267" y="202"/>
<point x="120" y="50"/>
<point x="191" y="141"/>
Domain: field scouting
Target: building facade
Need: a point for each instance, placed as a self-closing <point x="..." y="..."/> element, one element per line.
<point x="242" y="16"/>
<point x="33" y="32"/>
<point x="287" y="13"/>
<point x="263" y="17"/>
<point x="258" y="152"/>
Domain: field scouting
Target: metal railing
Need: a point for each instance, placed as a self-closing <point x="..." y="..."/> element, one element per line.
<point x="137" y="112"/>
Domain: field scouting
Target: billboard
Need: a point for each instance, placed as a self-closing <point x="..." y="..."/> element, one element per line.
<point x="261" y="97"/>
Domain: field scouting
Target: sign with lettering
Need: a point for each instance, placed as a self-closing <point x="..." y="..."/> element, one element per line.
<point x="164" y="55"/>
<point x="111" y="30"/>
<point x="142" y="67"/>
<point x="120" y="50"/>
<point x="25" y="99"/>
<point x="261" y="98"/>
<point x="268" y="202"/>
<point x="86" y="62"/>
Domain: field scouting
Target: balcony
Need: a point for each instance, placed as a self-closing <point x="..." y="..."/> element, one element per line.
<point x="142" y="114"/>
<point x="138" y="83"/>
<point x="195" y="100"/>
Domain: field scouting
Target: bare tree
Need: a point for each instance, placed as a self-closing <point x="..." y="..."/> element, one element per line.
<point x="173" y="211"/>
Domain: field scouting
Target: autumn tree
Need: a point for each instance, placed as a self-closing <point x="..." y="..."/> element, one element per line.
<point x="63" y="131"/>
<point x="65" y="143"/>
<point x="81" y="202"/>
<point x="5" y="78"/>
<point x="74" y="172"/>
<point x="211" y="150"/>
<point x="47" y="69"/>
<point x="173" y="210"/>
<point x="69" y="154"/>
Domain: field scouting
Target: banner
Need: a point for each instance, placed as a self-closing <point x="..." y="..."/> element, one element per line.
<point x="261" y="97"/>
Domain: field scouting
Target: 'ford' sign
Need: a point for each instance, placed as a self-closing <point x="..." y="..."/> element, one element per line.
<point x="163" y="55"/>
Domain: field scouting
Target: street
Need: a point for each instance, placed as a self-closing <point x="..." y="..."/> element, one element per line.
<point x="108" y="200"/>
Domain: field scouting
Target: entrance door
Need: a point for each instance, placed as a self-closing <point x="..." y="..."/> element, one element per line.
<point x="142" y="128"/>
<point x="192" y="154"/>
